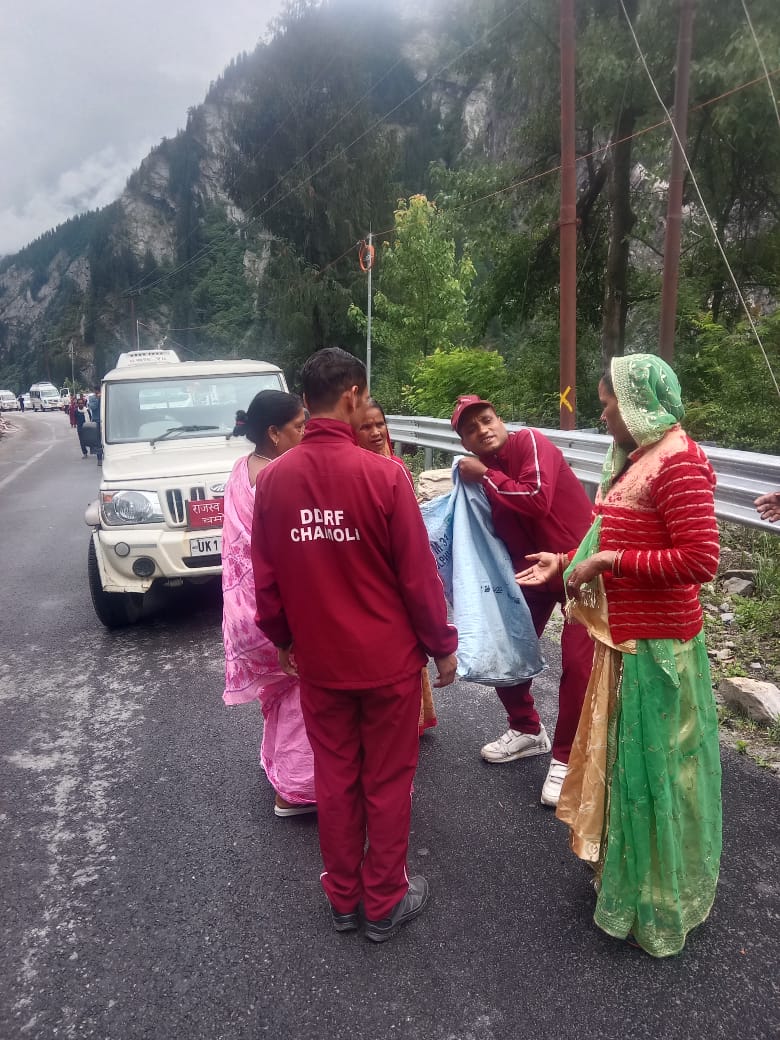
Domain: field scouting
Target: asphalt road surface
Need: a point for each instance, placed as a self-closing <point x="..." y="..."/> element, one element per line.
<point x="149" y="891"/>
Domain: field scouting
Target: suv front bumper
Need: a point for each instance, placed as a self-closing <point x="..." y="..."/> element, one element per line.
<point x="170" y="553"/>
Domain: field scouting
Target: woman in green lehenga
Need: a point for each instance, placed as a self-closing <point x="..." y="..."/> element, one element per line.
<point x="642" y="795"/>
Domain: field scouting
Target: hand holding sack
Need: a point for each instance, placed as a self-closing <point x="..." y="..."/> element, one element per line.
<point x="497" y="644"/>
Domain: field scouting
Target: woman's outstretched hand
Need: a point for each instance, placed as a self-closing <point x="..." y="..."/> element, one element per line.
<point x="544" y="568"/>
<point x="768" y="506"/>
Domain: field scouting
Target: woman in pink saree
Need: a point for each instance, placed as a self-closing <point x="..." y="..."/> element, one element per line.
<point x="274" y="424"/>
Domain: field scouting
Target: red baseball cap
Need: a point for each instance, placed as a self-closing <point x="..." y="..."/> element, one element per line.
<point x="465" y="402"/>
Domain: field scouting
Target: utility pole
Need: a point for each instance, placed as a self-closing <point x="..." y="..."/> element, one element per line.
<point x="676" y="182"/>
<point x="72" y="370"/>
<point x="368" y="311"/>
<point x="568" y="226"/>
<point x="133" y="322"/>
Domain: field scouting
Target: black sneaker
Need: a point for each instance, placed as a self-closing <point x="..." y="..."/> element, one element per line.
<point x="344" y="922"/>
<point x="404" y="911"/>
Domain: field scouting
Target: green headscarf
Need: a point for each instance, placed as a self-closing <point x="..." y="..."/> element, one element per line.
<point x="648" y="395"/>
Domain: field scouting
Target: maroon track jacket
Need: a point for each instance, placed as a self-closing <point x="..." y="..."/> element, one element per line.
<point x="342" y="564"/>
<point x="538" y="505"/>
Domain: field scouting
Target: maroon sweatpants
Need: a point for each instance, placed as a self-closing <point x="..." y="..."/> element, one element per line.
<point x="365" y="746"/>
<point x="576" y="666"/>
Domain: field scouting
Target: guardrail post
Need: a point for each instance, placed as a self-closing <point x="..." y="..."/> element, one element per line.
<point x="428" y="458"/>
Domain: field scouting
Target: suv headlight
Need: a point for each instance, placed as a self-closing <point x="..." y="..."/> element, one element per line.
<point x="130" y="507"/>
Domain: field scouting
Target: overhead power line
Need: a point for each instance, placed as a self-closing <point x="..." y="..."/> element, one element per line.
<point x="695" y="184"/>
<point x="763" y="63"/>
<point x="139" y="288"/>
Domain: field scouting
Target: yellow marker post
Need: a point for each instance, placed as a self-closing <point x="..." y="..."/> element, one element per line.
<point x="564" y="399"/>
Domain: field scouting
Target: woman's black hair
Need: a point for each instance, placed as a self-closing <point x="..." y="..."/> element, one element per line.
<point x="373" y="403"/>
<point x="239" y="430"/>
<point x="270" y="408"/>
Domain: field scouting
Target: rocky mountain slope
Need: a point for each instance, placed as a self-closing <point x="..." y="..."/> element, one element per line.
<point x="193" y="215"/>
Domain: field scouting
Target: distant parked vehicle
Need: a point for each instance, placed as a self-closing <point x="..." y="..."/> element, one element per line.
<point x="64" y="398"/>
<point x="8" y="401"/>
<point x="45" y="397"/>
<point x="27" y="401"/>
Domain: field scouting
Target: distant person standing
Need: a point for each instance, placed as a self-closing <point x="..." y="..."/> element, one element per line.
<point x="72" y="406"/>
<point x="347" y="589"/>
<point x="80" y="415"/>
<point x="20" y="399"/>
<point x="94" y="413"/>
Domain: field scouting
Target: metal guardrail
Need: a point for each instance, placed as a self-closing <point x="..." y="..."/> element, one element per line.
<point x="742" y="475"/>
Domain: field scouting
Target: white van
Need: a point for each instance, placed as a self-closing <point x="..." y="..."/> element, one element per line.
<point x="45" y="397"/>
<point x="8" y="401"/>
<point x="167" y="453"/>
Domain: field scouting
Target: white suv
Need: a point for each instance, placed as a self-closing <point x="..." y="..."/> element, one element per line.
<point x="168" y="452"/>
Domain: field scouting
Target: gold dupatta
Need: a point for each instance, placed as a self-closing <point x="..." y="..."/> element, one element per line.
<point x="584" y="801"/>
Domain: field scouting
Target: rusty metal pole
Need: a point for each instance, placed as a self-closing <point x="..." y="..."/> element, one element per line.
<point x="676" y="182"/>
<point x="568" y="227"/>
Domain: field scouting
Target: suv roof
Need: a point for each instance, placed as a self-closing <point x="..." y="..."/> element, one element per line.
<point x="143" y="357"/>
<point x="187" y="369"/>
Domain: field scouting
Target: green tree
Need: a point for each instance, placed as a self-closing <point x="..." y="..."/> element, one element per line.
<point x="441" y="377"/>
<point x="421" y="303"/>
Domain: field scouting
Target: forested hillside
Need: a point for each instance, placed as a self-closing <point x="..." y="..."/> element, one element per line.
<point x="239" y="236"/>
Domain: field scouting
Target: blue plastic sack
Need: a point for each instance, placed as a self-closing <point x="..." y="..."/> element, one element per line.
<point x="497" y="644"/>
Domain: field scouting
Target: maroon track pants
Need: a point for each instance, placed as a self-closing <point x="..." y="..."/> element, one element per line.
<point x="576" y="666"/>
<point x="365" y="746"/>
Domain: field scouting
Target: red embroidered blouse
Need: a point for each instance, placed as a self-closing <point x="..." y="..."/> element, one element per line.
<point x="661" y="514"/>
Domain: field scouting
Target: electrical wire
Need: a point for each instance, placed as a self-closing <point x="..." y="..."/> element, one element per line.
<point x="342" y="151"/>
<point x="600" y="151"/>
<point x="695" y="184"/>
<point x="228" y="188"/>
<point x="763" y="63"/>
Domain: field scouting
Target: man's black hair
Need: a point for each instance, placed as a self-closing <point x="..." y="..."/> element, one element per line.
<point x="327" y="374"/>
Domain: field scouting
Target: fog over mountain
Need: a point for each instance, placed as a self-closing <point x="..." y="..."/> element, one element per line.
<point x="86" y="90"/>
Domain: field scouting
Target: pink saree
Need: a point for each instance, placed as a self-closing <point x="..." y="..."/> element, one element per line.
<point x="251" y="667"/>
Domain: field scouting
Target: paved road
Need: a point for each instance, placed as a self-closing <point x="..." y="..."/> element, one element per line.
<point x="149" y="892"/>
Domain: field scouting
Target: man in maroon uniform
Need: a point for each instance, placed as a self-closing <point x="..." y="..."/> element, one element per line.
<point x="536" y="501"/>
<point x="347" y="588"/>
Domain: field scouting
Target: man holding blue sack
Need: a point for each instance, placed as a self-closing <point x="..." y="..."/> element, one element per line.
<point x="536" y="503"/>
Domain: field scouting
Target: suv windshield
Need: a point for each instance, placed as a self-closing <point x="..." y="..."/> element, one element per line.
<point x="201" y="407"/>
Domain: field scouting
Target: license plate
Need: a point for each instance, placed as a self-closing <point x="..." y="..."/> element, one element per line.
<point x="206" y="546"/>
<point x="206" y="513"/>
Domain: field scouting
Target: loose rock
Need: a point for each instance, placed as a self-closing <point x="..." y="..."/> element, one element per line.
<point x="758" y="699"/>
<point x="738" y="587"/>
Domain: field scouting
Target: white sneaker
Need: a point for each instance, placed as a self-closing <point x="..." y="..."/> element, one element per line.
<point x="512" y="745"/>
<point x="551" y="789"/>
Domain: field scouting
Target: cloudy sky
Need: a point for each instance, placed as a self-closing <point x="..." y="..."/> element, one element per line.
<point x="87" y="87"/>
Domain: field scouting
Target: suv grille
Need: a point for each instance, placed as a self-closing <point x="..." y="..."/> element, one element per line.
<point x="176" y="498"/>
